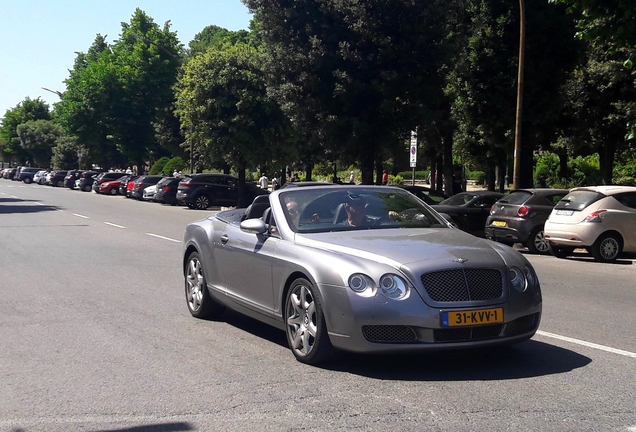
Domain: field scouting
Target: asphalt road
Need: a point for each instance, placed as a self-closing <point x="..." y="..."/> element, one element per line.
<point x="95" y="336"/>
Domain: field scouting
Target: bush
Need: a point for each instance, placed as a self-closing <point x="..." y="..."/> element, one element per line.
<point x="174" y="164"/>
<point x="158" y="166"/>
<point x="419" y="175"/>
<point x="396" y="179"/>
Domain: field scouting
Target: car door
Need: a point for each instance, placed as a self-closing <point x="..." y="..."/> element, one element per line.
<point x="627" y="219"/>
<point x="245" y="261"/>
<point x="479" y="211"/>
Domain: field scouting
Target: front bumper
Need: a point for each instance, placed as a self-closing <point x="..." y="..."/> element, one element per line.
<point x="377" y="324"/>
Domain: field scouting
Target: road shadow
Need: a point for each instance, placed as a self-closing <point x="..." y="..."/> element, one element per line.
<point x="584" y="256"/>
<point x="524" y="360"/>
<point x="156" y="427"/>
<point x="13" y="205"/>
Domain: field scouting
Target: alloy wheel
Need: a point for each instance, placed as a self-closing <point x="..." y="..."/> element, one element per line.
<point x="540" y="243"/>
<point x="202" y="202"/>
<point x="609" y="248"/>
<point x="301" y="320"/>
<point x="195" y="284"/>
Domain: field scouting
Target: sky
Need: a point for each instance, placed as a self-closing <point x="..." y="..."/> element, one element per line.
<point x="41" y="37"/>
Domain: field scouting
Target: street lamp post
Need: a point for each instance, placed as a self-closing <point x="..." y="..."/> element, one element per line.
<point x="522" y="43"/>
<point x="53" y="91"/>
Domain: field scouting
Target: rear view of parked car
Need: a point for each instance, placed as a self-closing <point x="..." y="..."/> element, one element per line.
<point x="520" y="216"/>
<point x="56" y="178"/>
<point x="105" y="177"/>
<point x="167" y="190"/>
<point x="86" y="180"/>
<point x="200" y="191"/>
<point x="26" y="174"/>
<point x="71" y="177"/>
<point x="40" y="177"/>
<point x="601" y="219"/>
<point x="142" y="183"/>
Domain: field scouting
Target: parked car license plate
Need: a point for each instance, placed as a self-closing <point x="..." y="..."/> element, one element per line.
<point x="472" y="317"/>
<point x="499" y="223"/>
<point x="565" y="212"/>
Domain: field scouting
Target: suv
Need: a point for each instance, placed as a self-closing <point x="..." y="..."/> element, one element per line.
<point x="71" y="176"/>
<point x="601" y="219"/>
<point x="56" y="178"/>
<point x="26" y="174"/>
<point x="86" y="180"/>
<point x="167" y="190"/>
<point x="200" y="191"/>
<point x="519" y="217"/>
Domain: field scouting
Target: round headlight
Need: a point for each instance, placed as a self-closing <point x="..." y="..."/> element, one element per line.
<point x="518" y="280"/>
<point x="359" y="282"/>
<point x="531" y="276"/>
<point x="393" y="286"/>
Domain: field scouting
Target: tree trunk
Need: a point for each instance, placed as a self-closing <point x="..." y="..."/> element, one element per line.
<point x="606" y="161"/>
<point x="367" y="164"/>
<point x="308" y="171"/>
<point x="378" y="169"/>
<point x="563" y="165"/>
<point x="439" y="177"/>
<point x="448" y="162"/>
<point x="242" y="199"/>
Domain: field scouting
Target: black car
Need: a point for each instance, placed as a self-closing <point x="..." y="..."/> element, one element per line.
<point x="200" y="191"/>
<point x="426" y="194"/>
<point x="519" y="217"/>
<point x="57" y="178"/>
<point x="71" y="177"/>
<point x="105" y="177"/>
<point x="142" y="183"/>
<point x="26" y="174"/>
<point x="468" y="211"/>
<point x="86" y="180"/>
<point x="167" y="190"/>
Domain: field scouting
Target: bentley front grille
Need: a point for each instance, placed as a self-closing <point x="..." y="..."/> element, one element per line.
<point x="389" y="333"/>
<point x="462" y="285"/>
<point x="521" y="325"/>
<point x="464" y="334"/>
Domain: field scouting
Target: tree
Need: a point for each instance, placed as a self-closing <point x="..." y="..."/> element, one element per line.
<point x="352" y="76"/>
<point x="65" y="153"/>
<point x="224" y="108"/>
<point x="27" y="110"/>
<point x="38" y="137"/>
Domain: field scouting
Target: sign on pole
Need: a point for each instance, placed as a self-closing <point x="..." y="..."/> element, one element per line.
<point x="413" y="152"/>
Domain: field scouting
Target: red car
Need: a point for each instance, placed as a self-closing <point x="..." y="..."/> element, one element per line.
<point x="109" y="187"/>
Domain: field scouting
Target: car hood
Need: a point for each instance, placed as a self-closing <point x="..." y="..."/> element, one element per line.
<point x="412" y="248"/>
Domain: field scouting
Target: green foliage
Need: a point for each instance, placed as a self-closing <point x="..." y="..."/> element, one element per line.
<point x="396" y="179"/>
<point x="27" y="110"/>
<point x="38" y="137"/>
<point x="158" y="166"/>
<point x="419" y="175"/>
<point x="174" y="164"/>
<point x="65" y="153"/>
<point x="584" y="171"/>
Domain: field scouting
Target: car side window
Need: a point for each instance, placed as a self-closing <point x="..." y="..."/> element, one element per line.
<point x="553" y="199"/>
<point x="489" y="201"/>
<point x="627" y="199"/>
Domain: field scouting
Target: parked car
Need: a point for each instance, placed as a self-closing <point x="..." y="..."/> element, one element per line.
<point x="17" y="173"/>
<point x="404" y="281"/>
<point x="149" y="193"/>
<point x="123" y="185"/>
<point x="142" y="183"/>
<point x="200" y="191"/>
<point x="468" y="211"/>
<point x="56" y="178"/>
<point x="601" y="219"/>
<point x="519" y="217"/>
<point x="305" y="184"/>
<point x="167" y="190"/>
<point x="40" y="177"/>
<point x="105" y="177"/>
<point x="110" y="187"/>
<point x="26" y="174"/>
<point x="71" y="177"/>
<point x="426" y="194"/>
<point x="86" y="180"/>
<point x="9" y="173"/>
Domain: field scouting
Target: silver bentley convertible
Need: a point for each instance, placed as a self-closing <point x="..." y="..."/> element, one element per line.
<point x="359" y="268"/>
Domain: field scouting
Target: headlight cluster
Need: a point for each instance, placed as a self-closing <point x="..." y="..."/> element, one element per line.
<point x="391" y="285"/>
<point x="518" y="279"/>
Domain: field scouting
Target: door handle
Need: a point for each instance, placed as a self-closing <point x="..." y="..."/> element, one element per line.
<point x="224" y="239"/>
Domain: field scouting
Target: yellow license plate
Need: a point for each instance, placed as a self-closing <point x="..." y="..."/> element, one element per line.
<point x="472" y="317"/>
<point x="499" y="223"/>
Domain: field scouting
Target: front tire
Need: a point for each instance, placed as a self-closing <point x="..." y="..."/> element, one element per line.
<point x="305" y="325"/>
<point x="607" y="248"/>
<point x="537" y="243"/>
<point x="200" y="302"/>
<point x="114" y="191"/>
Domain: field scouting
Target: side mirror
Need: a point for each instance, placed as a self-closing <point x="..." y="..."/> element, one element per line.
<point x="254" y="226"/>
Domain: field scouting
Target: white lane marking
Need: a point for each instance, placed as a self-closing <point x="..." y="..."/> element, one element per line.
<point x="631" y="428"/>
<point x="82" y="216"/>
<point x="588" y="344"/>
<point x="114" y="225"/>
<point x="39" y="203"/>
<point x="164" y="238"/>
<point x="13" y="196"/>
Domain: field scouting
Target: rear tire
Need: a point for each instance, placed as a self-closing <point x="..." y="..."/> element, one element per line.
<point x="28" y="180"/>
<point x="200" y="302"/>
<point x="202" y="202"/>
<point x="537" y="243"/>
<point x="114" y="191"/>
<point x="607" y="247"/>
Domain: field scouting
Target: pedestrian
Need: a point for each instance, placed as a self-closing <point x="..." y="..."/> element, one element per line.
<point x="263" y="182"/>
<point x="275" y="183"/>
<point x="352" y="178"/>
<point x="128" y="171"/>
<point x="385" y="178"/>
<point x="295" y="178"/>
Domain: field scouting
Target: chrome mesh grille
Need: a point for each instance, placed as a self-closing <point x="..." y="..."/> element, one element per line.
<point x="388" y="333"/>
<point x="460" y="285"/>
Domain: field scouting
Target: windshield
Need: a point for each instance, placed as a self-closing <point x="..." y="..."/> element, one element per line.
<point x="311" y="210"/>
<point x="578" y="200"/>
<point x="459" y="200"/>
